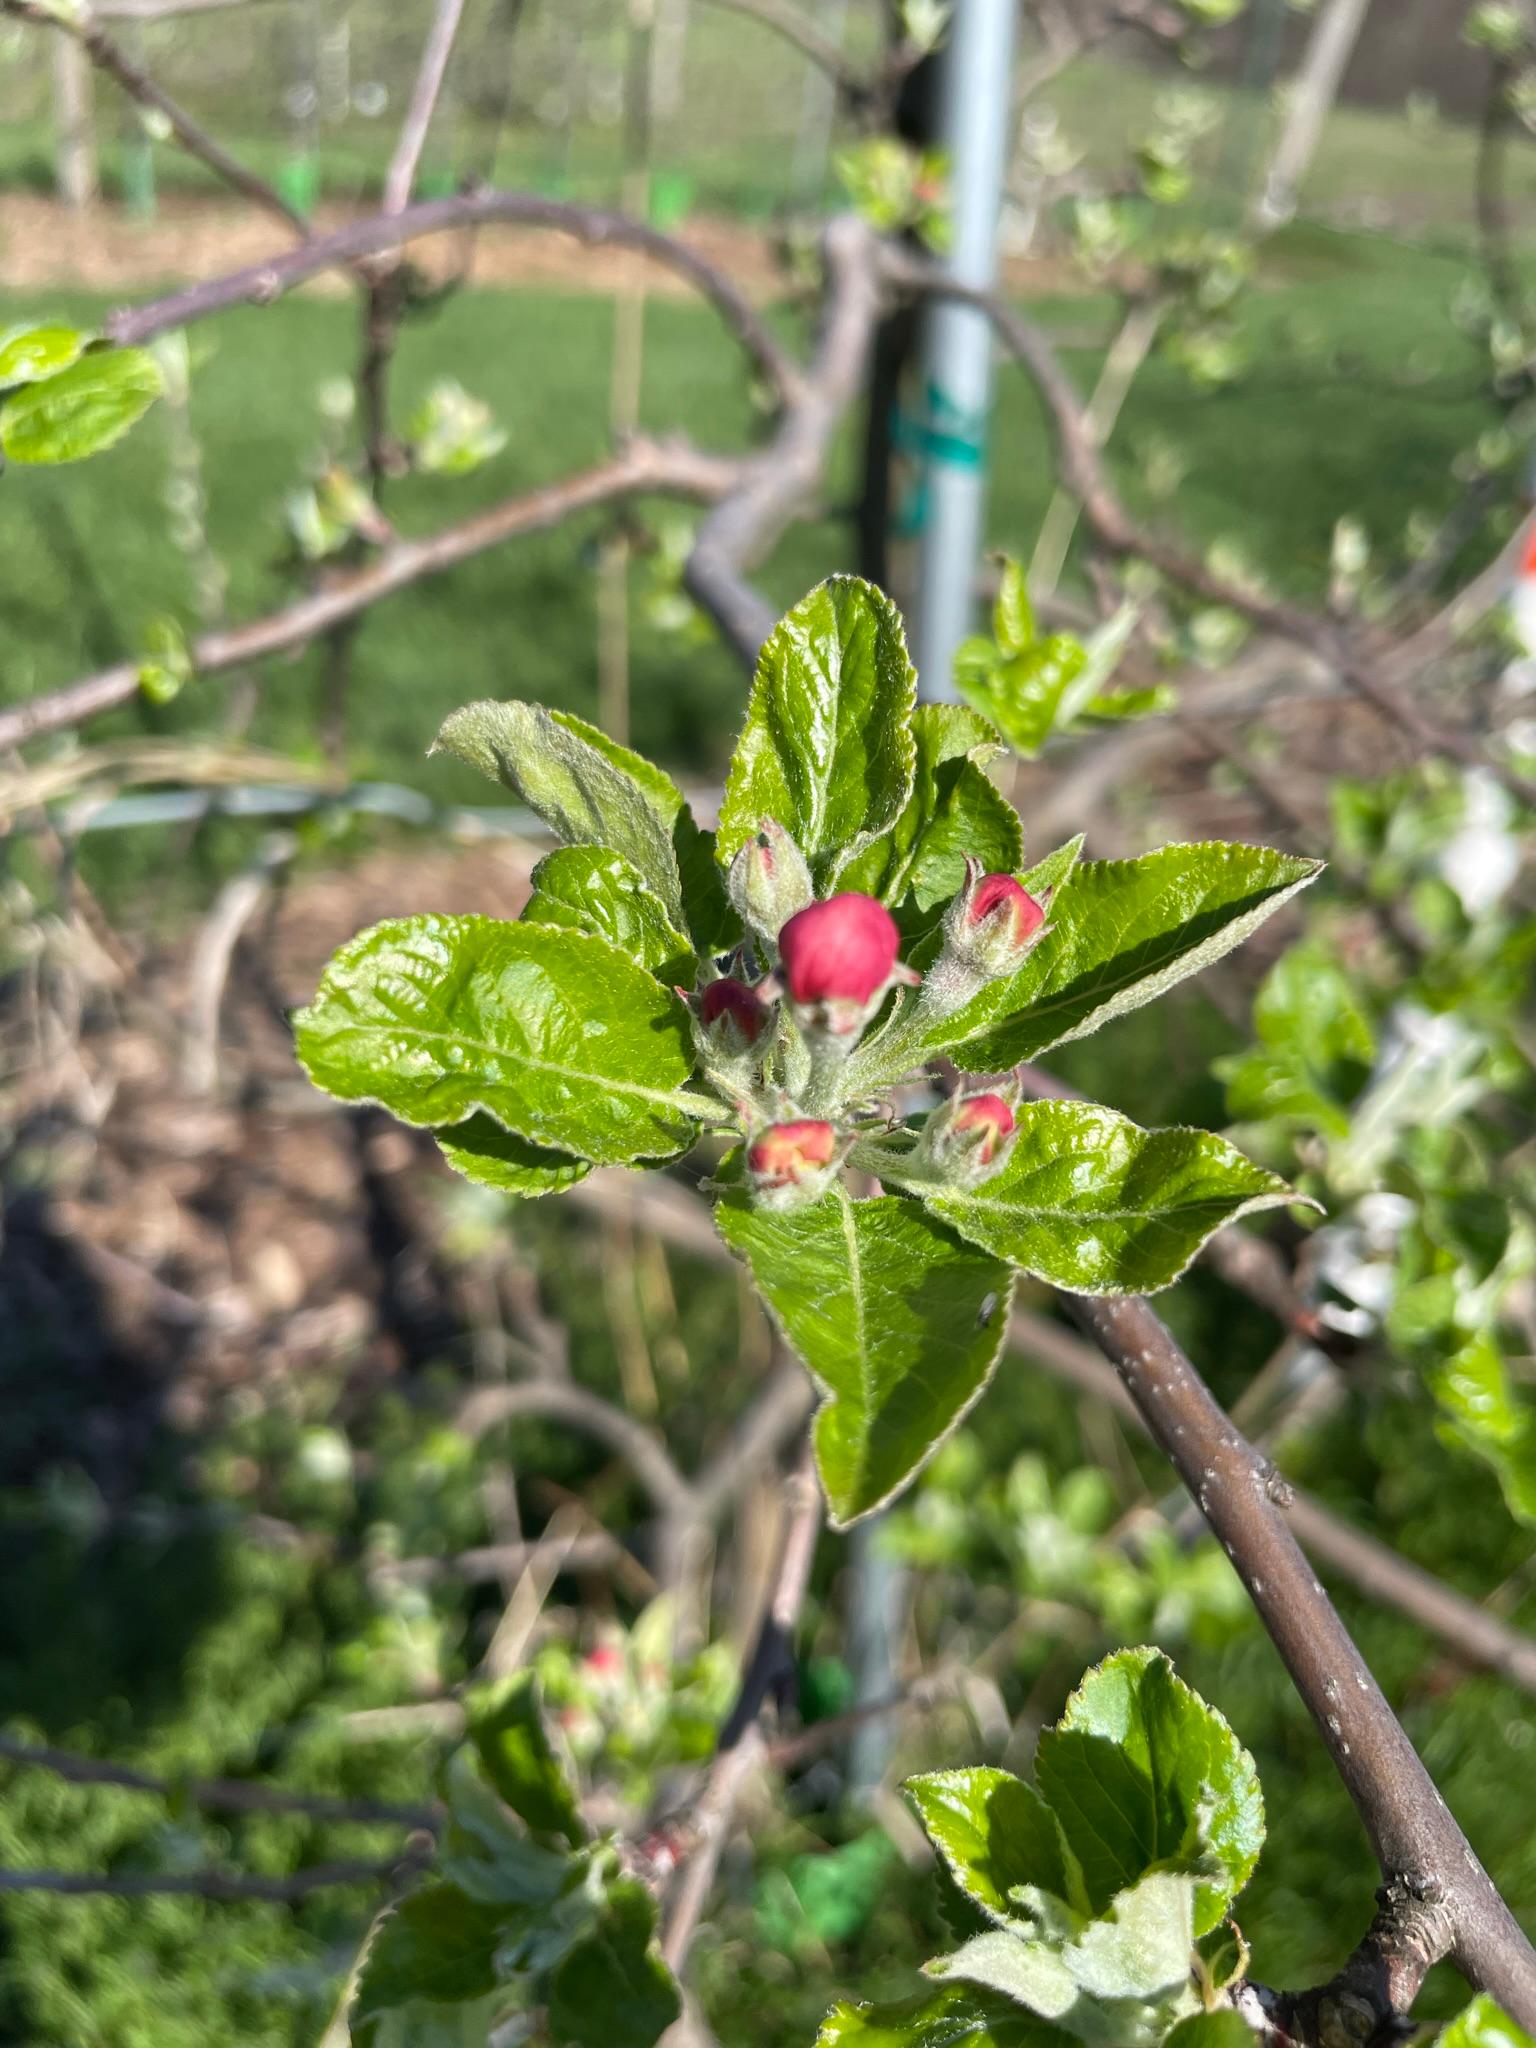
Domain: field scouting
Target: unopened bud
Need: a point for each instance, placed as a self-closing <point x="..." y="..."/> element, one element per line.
<point x="793" y="1163"/>
<point x="967" y="1138"/>
<point x="769" y="880"/>
<point x="992" y="923"/>
<point x="839" y="959"/>
<point x="734" y="1017"/>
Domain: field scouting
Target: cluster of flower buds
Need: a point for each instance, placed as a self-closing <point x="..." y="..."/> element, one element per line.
<point x="832" y="963"/>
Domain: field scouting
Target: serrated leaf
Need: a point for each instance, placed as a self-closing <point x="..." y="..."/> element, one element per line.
<point x="954" y="2016"/>
<point x="569" y="774"/>
<point x="509" y="1735"/>
<point x="1483" y="1413"/>
<point x="1141" y="1774"/>
<point x="1022" y="694"/>
<point x="1116" y="1986"/>
<point x="953" y="812"/>
<point x="1047" y="876"/>
<point x="554" y="1034"/>
<point x="493" y="1158"/>
<point x="438" y="1945"/>
<point x="1315" y="1046"/>
<point x="591" y="889"/>
<point x="898" y="1320"/>
<point x="827" y="746"/>
<point x="420" y="2025"/>
<point x="613" y="1990"/>
<point x="28" y="355"/>
<point x="1091" y="1202"/>
<point x="1121" y="932"/>
<point x="490" y="1856"/>
<point x="995" y="1834"/>
<point x="81" y="410"/>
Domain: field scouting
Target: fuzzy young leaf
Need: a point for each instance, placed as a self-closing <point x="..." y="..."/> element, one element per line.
<point x="1089" y="1201"/>
<point x="1122" y="932"/>
<point x="951" y="2016"/>
<point x="1222" y="2029"/>
<point x="554" y="1034"/>
<point x="953" y="812"/>
<point x="81" y="410"/>
<point x="1481" y="2024"/>
<point x="898" y="1320"/>
<point x="827" y="747"/>
<point x="1142" y="1774"/>
<point x="995" y="1834"/>
<point x="590" y="889"/>
<point x="520" y="1761"/>
<point x="569" y="775"/>
<point x="613" y="1990"/>
<point x="493" y="1158"/>
<point x="29" y="355"/>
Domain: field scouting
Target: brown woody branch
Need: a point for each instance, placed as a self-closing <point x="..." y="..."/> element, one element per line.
<point x="111" y="59"/>
<point x="379" y="234"/>
<point x="671" y="470"/>
<point x="226" y="1886"/>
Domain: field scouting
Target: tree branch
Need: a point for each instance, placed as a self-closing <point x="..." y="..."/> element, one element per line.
<point x="224" y="1885"/>
<point x="1423" y="1855"/>
<point x="595" y="226"/>
<point x="670" y="470"/>
<point x="742" y="1747"/>
<point x="224" y="1795"/>
<point x="401" y="175"/>
<point x="110" y="58"/>
<point x="562" y="1401"/>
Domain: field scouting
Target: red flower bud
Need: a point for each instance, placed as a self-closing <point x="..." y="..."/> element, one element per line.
<point x="1004" y="905"/>
<point x="984" y="1121"/>
<point x="742" y="1006"/>
<point x="840" y="951"/>
<point x="787" y="1155"/>
<point x="606" y="1661"/>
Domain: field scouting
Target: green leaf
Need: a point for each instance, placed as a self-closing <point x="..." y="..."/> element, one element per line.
<point x="713" y="924"/>
<point x="1089" y="1201"/>
<point x="1013" y="616"/>
<point x="898" y="1321"/>
<point x="827" y="746"/>
<point x="1121" y="932"/>
<point x="1115" y="1986"/>
<point x="579" y="783"/>
<point x="437" y="1945"/>
<point x="29" y="355"/>
<point x="954" y="2016"/>
<point x="590" y="889"/>
<point x="1223" y="2029"/>
<point x="82" y="410"/>
<point x="493" y="1158"/>
<point x="556" y="1035"/>
<point x="995" y="1834"/>
<point x="1023" y="694"/>
<point x="953" y="812"/>
<point x="1483" y="1413"/>
<point x="1482" y="2024"/>
<point x="1315" y="1051"/>
<point x="519" y="1759"/>
<point x="489" y="1855"/>
<point x="1142" y="1774"/>
<point x="613" y="1990"/>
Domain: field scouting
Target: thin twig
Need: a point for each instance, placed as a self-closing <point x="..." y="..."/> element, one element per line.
<point x="595" y="226"/>
<point x="111" y="59"/>
<point x="401" y="175"/>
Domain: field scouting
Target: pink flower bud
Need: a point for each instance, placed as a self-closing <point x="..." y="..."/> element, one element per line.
<point x="793" y="1158"/>
<point x="768" y="880"/>
<point x="606" y="1661"/>
<point x="984" y="1122"/>
<point x="1004" y="905"/>
<point x="743" y="1010"/>
<point x="840" y="951"/>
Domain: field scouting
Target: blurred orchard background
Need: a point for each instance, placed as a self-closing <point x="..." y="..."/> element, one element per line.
<point x="273" y="1490"/>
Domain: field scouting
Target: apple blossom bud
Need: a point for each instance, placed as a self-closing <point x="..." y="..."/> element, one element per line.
<point x="795" y="1162"/>
<point x="734" y="1017"/>
<point x="992" y="923"/>
<point x="982" y="1124"/>
<point x="839" y="959"/>
<point x="768" y="881"/>
<point x="967" y="1138"/>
